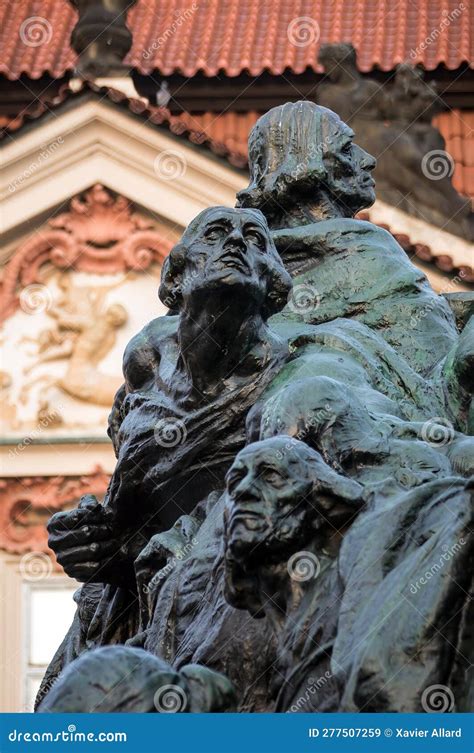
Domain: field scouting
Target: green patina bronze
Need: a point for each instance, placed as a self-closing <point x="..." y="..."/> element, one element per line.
<point x="293" y="496"/>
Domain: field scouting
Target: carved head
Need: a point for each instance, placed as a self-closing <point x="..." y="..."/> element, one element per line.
<point x="279" y="493"/>
<point x="226" y="250"/>
<point x="411" y="97"/>
<point x="128" y="679"/>
<point x="299" y="152"/>
<point x="116" y="315"/>
<point x="337" y="59"/>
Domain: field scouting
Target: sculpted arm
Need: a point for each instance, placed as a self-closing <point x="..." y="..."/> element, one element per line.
<point x="73" y="322"/>
<point x="88" y="545"/>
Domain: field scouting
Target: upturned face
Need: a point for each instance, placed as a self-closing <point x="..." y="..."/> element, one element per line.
<point x="266" y="492"/>
<point x="349" y="170"/>
<point x="231" y="249"/>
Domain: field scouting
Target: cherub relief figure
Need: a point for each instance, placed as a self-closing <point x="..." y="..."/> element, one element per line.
<point x="241" y="363"/>
<point x="85" y="331"/>
<point x="71" y="300"/>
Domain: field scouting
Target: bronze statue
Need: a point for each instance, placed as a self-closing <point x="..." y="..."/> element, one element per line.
<point x="357" y="270"/>
<point x="330" y="386"/>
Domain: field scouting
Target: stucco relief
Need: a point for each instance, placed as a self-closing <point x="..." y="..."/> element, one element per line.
<point x="84" y="330"/>
<point x="100" y="233"/>
<point x="27" y="503"/>
<point x="64" y="322"/>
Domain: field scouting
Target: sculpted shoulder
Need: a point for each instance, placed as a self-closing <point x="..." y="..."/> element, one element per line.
<point x="354" y="249"/>
<point x="362" y="236"/>
<point x="144" y="351"/>
<point x="365" y="233"/>
<point x="362" y="228"/>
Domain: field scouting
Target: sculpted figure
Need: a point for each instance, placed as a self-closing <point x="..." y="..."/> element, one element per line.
<point x="123" y="679"/>
<point x="85" y="331"/>
<point x="242" y="361"/>
<point x="296" y="554"/>
<point x="282" y="496"/>
<point x="341" y="267"/>
<point x="410" y="101"/>
<point x="180" y="419"/>
<point x="393" y="122"/>
<point x="344" y="90"/>
<point x="280" y="532"/>
<point x="286" y="513"/>
<point x="413" y="102"/>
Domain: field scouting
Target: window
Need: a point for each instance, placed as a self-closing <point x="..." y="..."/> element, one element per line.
<point x="48" y="610"/>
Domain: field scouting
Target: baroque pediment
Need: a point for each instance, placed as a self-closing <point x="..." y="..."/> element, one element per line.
<point x="74" y="292"/>
<point x="99" y="233"/>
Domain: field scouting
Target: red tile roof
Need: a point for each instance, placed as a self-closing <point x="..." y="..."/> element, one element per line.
<point x="229" y="128"/>
<point x="213" y="131"/>
<point x="457" y="127"/>
<point x="247" y="35"/>
<point x="227" y="133"/>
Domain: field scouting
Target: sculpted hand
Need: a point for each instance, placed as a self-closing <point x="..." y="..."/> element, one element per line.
<point x="85" y="543"/>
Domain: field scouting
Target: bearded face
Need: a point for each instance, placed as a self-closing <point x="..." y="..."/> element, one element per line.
<point x="267" y="501"/>
<point x="281" y="496"/>
<point x="280" y="492"/>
